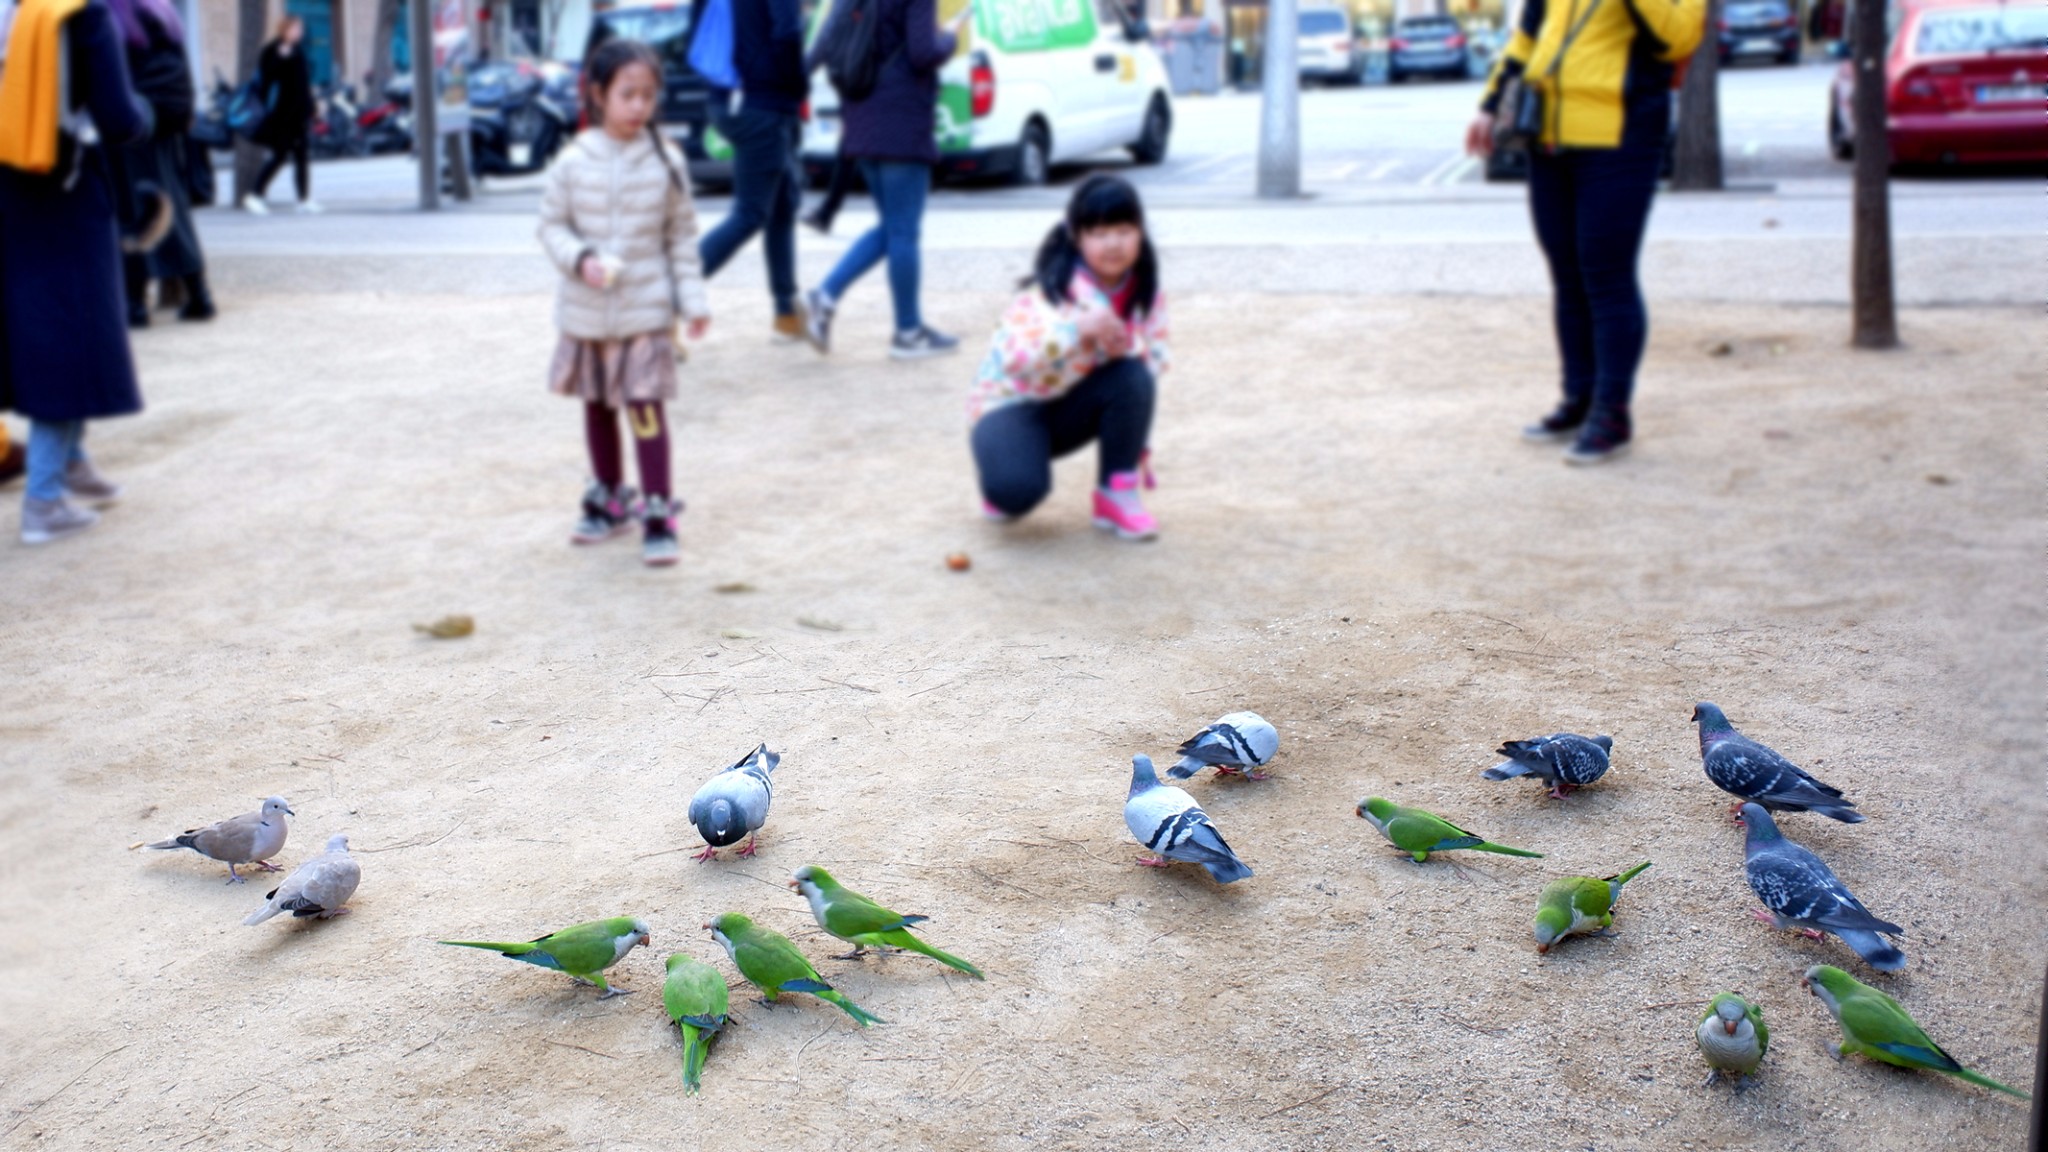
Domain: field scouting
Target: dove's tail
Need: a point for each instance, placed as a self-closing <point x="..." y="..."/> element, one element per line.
<point x="1983" y="1081"/>
<point x="1875" y="950"/>
<point x="264" y="913"/>
<point x="184" y="841"/>
<point x="1186" y="767"/>
<point x="861" y="1016"/>
<point x="1504" y="850"/>
<point x="902" y="939"/>
<point x="1506" y="770"/>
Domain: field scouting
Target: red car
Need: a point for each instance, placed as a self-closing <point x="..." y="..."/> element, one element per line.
<point x="1965" y="82"/>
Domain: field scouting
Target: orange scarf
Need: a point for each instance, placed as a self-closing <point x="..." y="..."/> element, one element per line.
<point x="31" y="84"/>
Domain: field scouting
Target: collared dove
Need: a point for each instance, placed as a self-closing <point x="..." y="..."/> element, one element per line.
<point x="319" y="887"/>
<point x="251" y="838"/>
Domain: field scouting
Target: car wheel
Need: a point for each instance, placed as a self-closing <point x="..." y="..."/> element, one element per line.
<point x="1152" y="142"/>
<point x="1839" y="143"/>
<point x="1034" y="156"/>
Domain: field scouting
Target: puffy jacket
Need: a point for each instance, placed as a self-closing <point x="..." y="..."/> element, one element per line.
<point x="1611" y="85"/>
<point x="617" y="198"/>
<point x="1037" y="353"/>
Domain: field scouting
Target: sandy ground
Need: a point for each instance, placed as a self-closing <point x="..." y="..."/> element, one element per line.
<point x="1843" y="550"/>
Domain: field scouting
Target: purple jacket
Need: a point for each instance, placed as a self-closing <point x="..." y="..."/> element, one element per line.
<point x="898" y="120"/>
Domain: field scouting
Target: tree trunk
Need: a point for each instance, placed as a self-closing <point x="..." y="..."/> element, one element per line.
<point x="250" y="18"/>
<point x="380" y="51"/>
<point x="1876" y="322"/>
<point x="1696" y="163"/>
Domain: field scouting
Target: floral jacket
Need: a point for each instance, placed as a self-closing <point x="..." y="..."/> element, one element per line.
<point x="1037" y="355"/>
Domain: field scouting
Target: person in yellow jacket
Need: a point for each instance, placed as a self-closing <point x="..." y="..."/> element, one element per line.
<point x="1602" y="73"/>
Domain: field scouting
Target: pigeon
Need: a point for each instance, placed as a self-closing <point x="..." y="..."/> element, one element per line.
<point x="1563" y="761"/>
<point x="773" y="964"/>
<point x="1732" y="1036"/>
<point x="251" y="838"/>
<point x="1579" y="905"/>
<point x="1170" y="823"/>
<point x="1240" y="743"/>
<point x="696" y="998"/>
<point x="1877" y="1026"/>
<point x="863" y="923"/>
<point x="1746" y="769"/>
<point x="1419" y="833"/>
<point x="584" y="951"/>
<point x="319" y="887"/>
<point x="734" y="804"/>
<point x="1800" y="892"/>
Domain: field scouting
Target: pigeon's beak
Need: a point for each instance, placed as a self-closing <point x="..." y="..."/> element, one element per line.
<point x="1695" y="715"/>
<point x="1729" y="1025"/>
<point x="289" y="812"/>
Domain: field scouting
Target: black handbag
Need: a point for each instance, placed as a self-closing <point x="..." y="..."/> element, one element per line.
<point x="1518" y="123"/>
<point x="200" y="185"/>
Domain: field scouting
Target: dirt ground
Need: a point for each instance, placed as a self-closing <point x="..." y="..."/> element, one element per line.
<point x="1843" y="550"/>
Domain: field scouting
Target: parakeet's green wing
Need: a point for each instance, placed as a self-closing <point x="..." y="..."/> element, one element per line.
<point x="694" y="990"/>
<point x="772" y="962"/>
<point x="1414" y="831"/>
<point x="849" y="914"/>
<point x="1592" y="898"/>
<point x="1870" y="1017"/>
<point x="1763" y="1034"/>
<point x="584" y="949"/>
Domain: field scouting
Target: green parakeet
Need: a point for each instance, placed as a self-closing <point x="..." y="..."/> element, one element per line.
<point x="1419" y="833"/>
<point x="1875" y="1025"/>
<point x="1732" y="1036"/>
<point x="1579" y="905"/>
<point x="863" y="923"/>
<point x="583" y="951"/>
<point x="772" y="963"/>
<point x="695" y="996"/>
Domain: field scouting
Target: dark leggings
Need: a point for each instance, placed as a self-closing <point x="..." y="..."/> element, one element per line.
<point x="297" y="151"/>
<point x="650" y="445"/>
<point x="1015" y="445"/>
<point x="1591" y="207"/>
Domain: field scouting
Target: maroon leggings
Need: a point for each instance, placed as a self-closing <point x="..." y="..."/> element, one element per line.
<point x="650" y="445"/>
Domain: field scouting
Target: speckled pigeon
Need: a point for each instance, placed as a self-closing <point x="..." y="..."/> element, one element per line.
<point x="1170" y="823"/>
<point x="1563" y="761"/>
<point x="1799" y="891"/>
<point x="1241" y="742"/>
<point x="1746" y="769"/>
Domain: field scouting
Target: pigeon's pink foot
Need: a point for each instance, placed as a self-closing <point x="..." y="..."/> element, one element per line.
<point x="1765" y="917"/>
<point x="749" y="848"/>
<point x="1227" y="770"/>
<point x="1560" y="791"/>
<point x="331" y="913"/>
<point x="1810" y="934"/>
<point x="267" y="866"/>
<point x="1153" y="862"/>
<point x="709" y="853"/>
<point x="1255" y="774"/>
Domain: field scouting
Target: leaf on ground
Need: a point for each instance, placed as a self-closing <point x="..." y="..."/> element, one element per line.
<point x="738" y="634"/>
<point x="448" y="627"/>
<point x="732" y="586"/>
<point x="821" y="624"/>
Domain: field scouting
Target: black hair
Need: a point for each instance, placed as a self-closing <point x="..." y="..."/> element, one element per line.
<point x="606" y="61"/>
<point x="1098" y="201"/>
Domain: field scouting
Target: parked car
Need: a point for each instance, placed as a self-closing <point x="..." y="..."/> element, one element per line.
<point x="1964" y="83"/>
<point x="685" y="100"/>
<point x="1326" y="49"/>
<point x="1426" y="46"/>
<point x="1033" y="85"/>
<point x="1759" y="28"/>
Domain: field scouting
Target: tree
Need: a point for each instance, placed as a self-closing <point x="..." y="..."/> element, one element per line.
<point x="1696" y="162"/>
<point x="1875" y="322"/>
<point x="250" y="16"/>
<point x="380" y="49"/>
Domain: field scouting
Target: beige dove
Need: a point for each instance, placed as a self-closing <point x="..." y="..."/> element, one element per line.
<point x="319" y="887"/>
<point x="251" y="838"/>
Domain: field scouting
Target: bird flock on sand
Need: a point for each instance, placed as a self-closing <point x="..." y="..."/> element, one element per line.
<point x="1798" y="890"/>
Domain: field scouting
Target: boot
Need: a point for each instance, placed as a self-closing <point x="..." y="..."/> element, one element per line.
<point x="198" y="299"/>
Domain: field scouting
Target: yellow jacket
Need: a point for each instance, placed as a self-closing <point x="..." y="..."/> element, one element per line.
<point x="1611" y="84"/>
<point x="31" y="96"/>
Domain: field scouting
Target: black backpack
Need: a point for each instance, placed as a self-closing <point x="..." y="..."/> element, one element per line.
<point x="847" y="48"/>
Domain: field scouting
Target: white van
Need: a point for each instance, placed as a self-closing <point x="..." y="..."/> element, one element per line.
<point x="1035" y="83"/>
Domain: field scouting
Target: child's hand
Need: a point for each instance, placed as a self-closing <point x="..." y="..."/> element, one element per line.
<point x="1105" y="332"/>
<point x="698" y="326"/>
<point x="591" y="272"/>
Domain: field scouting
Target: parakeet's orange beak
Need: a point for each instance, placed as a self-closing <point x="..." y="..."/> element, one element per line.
<point x="646" y="941"/>
<point x="792" y="884"/>
<point x="1730" y="1025"/>
<point x="1542" y="948"/>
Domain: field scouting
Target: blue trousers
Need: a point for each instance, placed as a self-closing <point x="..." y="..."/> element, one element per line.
<point x="52" y="446"/>
<point x="767" y="189"/>
<point x="1015" y="445"/>
<point x="1591" y="208"/>
<point x="899" y="189"/>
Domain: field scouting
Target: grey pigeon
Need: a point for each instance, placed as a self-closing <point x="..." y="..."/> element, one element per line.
<point x="734" y="803"/>
<point x="319" y="887"/>
<point x="1751" y="771"/>
<point x="1170" y="823"/>
<point x="1564" y="761"/>
<point x="251" y="838"/>
<point x="1799" y="891"/>
<point x="1241" y="742"/>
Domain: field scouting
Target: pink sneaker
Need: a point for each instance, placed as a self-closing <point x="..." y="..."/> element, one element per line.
<point x="1118" y="509"/>
<point x="992" y="513"/>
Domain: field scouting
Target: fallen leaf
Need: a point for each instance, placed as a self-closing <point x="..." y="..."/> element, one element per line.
<point x="958" y="561"/>
<point x="1724" y="348"/>
<point x="734" y="586"/>
<point x="448" y="627"/>
<point x="1938" y="479"/>
<point x="738" y="634"/>
<point x="820" y="624"/>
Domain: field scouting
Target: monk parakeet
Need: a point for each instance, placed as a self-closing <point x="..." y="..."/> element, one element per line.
<point x="1419" y="833"/>
<point x="1875" y="1025"/>
<point x="1732" y="1037"/>
<point x="583" y="951"/>
<point x="1749" y="770"/>
<point x="771" y="963"/>
<point x="863" y="923"/>
<point x="695" y="996"/>
<point x="1579" y="905"/>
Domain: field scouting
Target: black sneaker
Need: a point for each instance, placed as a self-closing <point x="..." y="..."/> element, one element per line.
<point x="1600" y="440"/>
<point x="659" y="547"/>
<point x="605" y="514"/>
<point x="922" y="343"/>
<point x="1560" y="425"/>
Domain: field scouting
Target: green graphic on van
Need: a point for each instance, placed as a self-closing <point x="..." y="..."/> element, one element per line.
<point x="716" y="147"/>
<point x="956" y="118"/>
<point x="1037" y="25"/>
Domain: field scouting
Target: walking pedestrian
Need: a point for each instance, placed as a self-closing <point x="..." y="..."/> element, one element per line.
<point x="1077" y="359"/>
<point x="1600" y="75"/>
<point x="64" y="355"/>
<point x="762" y="123"/>
<point x="618" y="220"/>
<point x="286" y="83"/>
<point x="889" y="132"/>
<point x="158" y="170"/>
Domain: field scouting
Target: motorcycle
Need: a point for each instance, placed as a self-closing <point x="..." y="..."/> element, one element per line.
<point x="335" y="129"/>
<point x="517" y="119"/>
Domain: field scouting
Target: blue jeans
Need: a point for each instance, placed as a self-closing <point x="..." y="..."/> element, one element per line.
<point x="1591" y="208"/>
<point x="899" y="190"/>
<point x="767" y="189"/>
<point x="52" y="446"/>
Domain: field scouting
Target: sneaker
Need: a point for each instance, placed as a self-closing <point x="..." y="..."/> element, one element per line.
<point x="310" y="208"/>
<point x="84" y="481"/>
<point x="922" y="343"/>
<point x="659" y="548"/>
<point x="605" y="514"/>
<point x="45" y="520"/>
<point x="818" y="309"/>
<point x="1118" y="509"/>
<point x="788" y="329"/>
<point x="1562" y="423"/>
<point x="994" y="514"/>
<point x="254" y="205"/>
<point x="1601" y="440"/>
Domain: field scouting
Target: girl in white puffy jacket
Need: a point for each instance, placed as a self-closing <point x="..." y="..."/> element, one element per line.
<point x="618" y="220"/>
